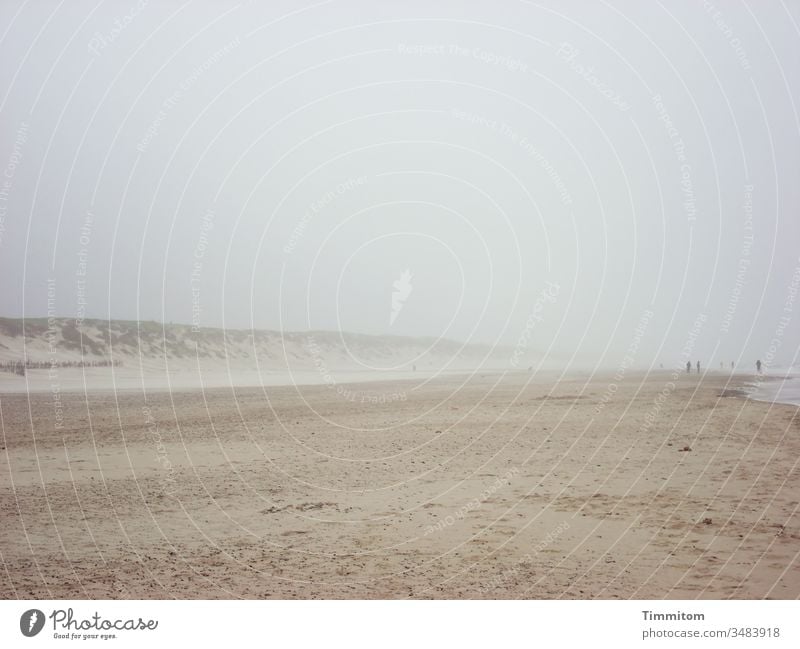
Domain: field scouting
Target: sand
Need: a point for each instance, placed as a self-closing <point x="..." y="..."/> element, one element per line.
<point x="488" y="486"/>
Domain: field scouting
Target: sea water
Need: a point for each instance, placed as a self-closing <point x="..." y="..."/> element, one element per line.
<point x="783" y="390"/>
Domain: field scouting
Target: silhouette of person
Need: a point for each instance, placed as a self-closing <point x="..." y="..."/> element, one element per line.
<point x="732" y="366"/>
<point x="688" y="366"/>
<point x="758" y="366"/>
<point x="698" y="367"/>
<point x="721" y="366"/>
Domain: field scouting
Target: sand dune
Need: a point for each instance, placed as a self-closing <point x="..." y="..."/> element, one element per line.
<point x="159" y="356"/>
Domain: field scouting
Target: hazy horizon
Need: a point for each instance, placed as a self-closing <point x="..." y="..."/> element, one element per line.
<point x="594" y="182"/>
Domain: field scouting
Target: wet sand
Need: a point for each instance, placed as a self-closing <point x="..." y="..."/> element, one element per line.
<point x="482" y="487"/>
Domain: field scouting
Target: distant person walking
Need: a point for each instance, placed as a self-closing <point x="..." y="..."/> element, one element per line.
<point x="688" y="366"/>
<point x="698" y="367"/>
<point x="732" y="365"/>
<point x="758" y="366"/>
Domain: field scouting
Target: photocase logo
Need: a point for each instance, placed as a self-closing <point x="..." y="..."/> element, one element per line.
<point x="31" y="622"/>
<point x="402" y="289"/>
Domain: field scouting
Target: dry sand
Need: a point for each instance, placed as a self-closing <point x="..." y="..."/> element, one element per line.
<point x="493" y="487"/>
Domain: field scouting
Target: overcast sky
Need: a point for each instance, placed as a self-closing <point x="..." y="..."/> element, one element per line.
<point x="596" y="176"/>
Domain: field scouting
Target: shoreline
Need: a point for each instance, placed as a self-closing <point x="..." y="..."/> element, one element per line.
<point x="784" y="390"/>
<point x="131" y="379"/>
<point x="128" y="379"/>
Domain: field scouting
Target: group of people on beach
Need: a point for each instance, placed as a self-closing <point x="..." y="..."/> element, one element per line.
<point x="19" y="367"/>
<point x="721" y="366"/>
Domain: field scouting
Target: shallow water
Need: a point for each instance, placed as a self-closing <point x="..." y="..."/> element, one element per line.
<point x="785" y="390"/>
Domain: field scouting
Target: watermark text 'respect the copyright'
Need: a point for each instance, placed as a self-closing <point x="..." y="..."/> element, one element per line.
<point x="476" y="53"/>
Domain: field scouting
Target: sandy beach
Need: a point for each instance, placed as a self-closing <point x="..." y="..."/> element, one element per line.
<point x="485" y="486"/>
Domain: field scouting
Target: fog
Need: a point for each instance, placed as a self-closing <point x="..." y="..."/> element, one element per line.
<point x="601" y="181"/>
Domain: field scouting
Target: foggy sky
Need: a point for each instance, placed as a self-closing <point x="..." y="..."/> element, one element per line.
<point x="282" y="166"/>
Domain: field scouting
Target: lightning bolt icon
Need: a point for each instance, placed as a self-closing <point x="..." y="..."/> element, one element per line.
<point x="32" y="621"/>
